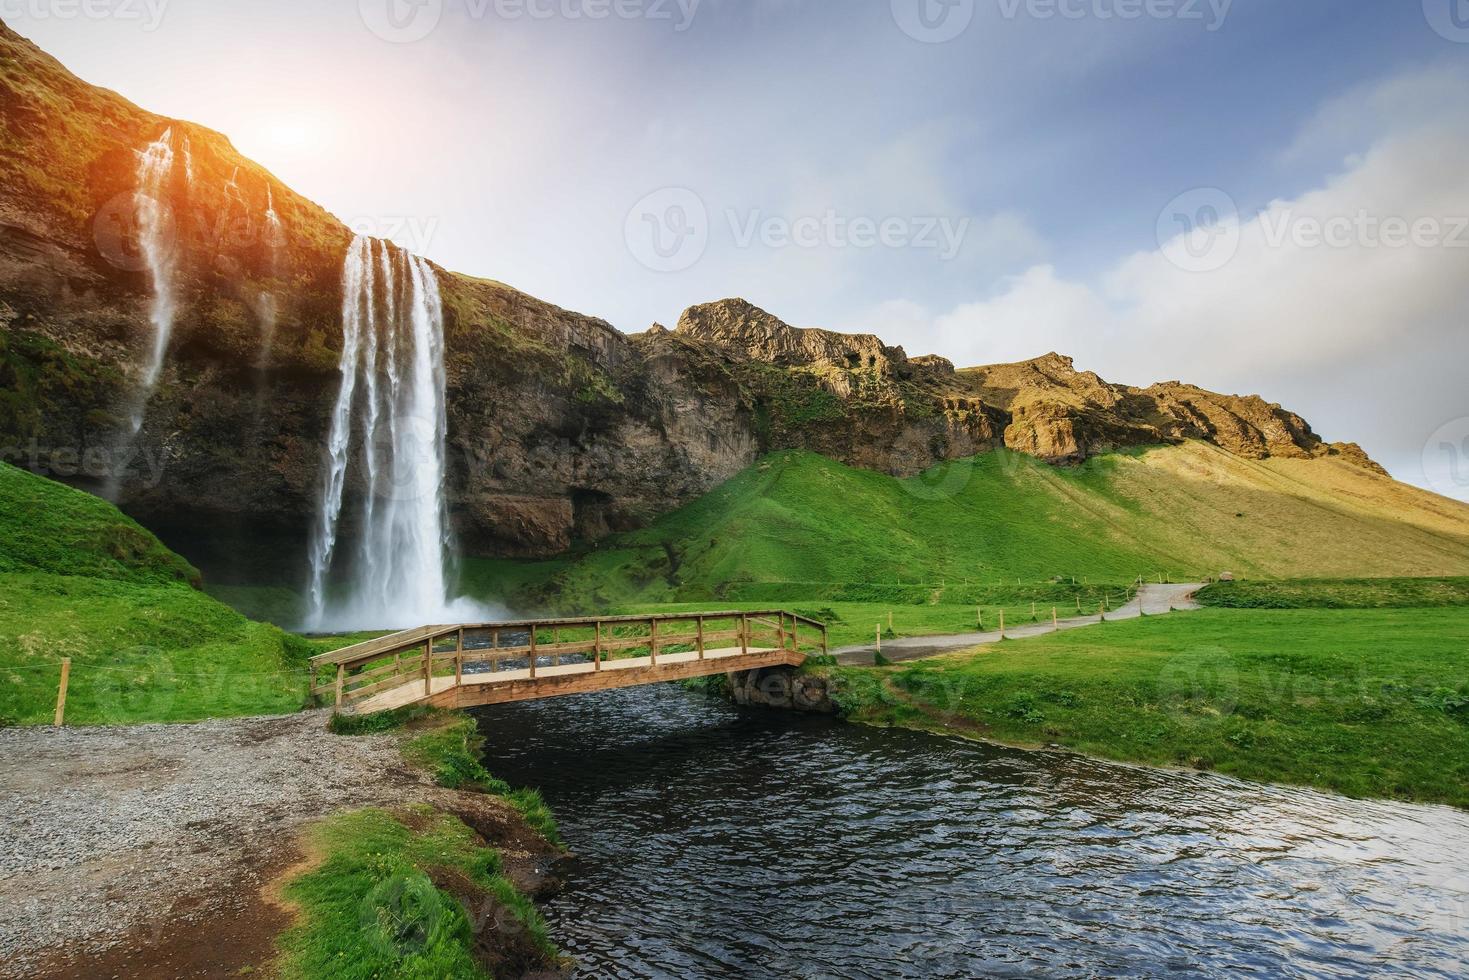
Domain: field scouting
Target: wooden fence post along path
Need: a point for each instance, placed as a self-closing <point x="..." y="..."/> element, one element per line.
<point x="469" y="664"/>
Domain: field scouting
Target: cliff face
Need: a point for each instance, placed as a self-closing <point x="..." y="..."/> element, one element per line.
<point x="560" y="427"/>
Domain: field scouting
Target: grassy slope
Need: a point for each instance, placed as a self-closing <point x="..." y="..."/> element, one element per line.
<point x="1368" y="593"/>
<point x="1371" y="702"/>
<point x="800" y="527"/>
<point x="406" y="895"/>
<point x="78" y="579"/>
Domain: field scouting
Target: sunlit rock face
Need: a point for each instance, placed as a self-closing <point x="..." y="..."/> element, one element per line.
<point x="558" y="427"/>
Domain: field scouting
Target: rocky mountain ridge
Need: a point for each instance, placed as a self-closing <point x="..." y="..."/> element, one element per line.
<point x="561" y="428"/>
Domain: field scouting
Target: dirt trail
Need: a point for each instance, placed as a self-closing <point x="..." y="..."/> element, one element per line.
<point x="142" y="851"/>
<point x="1157" y="600"/>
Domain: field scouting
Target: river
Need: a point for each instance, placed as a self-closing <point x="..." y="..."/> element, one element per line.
<point x="712" y="841"/>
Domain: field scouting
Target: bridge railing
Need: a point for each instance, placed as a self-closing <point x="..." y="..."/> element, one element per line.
<point x="440" y="656"/>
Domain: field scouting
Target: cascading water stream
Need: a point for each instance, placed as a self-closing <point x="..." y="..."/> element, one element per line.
<point x="393" y="383"/>
<point x="151" y="215"/>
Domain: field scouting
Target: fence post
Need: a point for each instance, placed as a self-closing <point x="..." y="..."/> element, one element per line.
<point x="653" y="641"/>
<point x="532" y="652"/>
<point x="459" y="660"/>
<point x="428" y="667"/>
<point x="341" y="678"/>
<point x="1102" y="612"/>
<point x="879" y="639"/>
<point x="61" y="690"/>
<point x="1002" y="623"/>
<point x="825" y="647"/>
<point x="597" y="647"/>
<point x="795" y="635"/>
<point x="744" y="633"/>
<point x="1055" y="619"/>
<point x="701" y="637"/>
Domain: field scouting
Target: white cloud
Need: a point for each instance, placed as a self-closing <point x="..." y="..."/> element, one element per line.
<point x="1284" y="316"/>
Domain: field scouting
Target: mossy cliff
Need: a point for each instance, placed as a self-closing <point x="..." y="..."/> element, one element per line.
<point x="561" y="428"/>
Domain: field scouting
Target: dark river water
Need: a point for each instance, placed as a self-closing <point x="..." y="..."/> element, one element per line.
<point x="717" y="842"/>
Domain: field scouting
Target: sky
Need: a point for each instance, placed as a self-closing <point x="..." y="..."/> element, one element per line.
<point x="1255" y="196"/>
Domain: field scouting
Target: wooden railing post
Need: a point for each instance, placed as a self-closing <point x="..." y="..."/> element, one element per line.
<point x="459" y="660"/>
<point x="597" y="648"/>
<point x="701" y="637"/>
<point x="795" y="635"/>
<point x="744" y="633"/>
<point x="653" y="641"/>
<point x="495" y="647"/>
<point x="825" y="647"/>
<point x="341" y="679"/>
<point x="61" y="691"/>
<point x="428" y="667"/>
<point x="533" y="652"/>
<point x="780" y="631"/>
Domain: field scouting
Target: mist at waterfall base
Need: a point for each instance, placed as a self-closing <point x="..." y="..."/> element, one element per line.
<point x="388" y="437"/>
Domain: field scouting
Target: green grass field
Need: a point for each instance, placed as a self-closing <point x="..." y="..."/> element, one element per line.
<point x="80" y="580"/>
<point x="408" y="895"/>
<point x="798" y="528"/>
<point x="1371" y="702"/>
<point x="1364" y="593"/>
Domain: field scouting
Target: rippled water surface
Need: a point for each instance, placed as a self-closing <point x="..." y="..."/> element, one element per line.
<point x="715" y="842"/>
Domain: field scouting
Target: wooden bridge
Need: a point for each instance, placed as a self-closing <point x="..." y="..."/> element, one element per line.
<point x="494" y="663"/>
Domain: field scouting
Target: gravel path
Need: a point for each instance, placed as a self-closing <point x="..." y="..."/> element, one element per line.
<point x="1158" y="600"/>
<point x="107" y="831"/>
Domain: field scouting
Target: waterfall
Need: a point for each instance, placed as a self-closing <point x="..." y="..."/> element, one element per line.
<point x="267" y="308"/>
<point x="392" y="389"/>
<point x="154" y="233"/>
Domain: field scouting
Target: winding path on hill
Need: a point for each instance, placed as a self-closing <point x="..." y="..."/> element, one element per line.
<point x="1157" y="600"/>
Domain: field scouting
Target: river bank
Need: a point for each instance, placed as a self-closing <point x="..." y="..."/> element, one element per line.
<point x="1363" y="702"/>
<point x="167" y="849"/>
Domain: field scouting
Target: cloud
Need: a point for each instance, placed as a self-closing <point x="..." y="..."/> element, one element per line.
<point x="1320" y="304"/>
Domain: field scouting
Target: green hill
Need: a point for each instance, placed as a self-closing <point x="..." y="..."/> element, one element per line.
<point x="797" y="526"/>
<point x="79" y="579"/>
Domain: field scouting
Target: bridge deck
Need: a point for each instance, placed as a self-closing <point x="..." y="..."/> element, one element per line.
<point x="504" y="686"/>
<point x="465" y="665"/>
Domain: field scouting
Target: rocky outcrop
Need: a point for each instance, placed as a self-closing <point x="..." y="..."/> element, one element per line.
<point x="561" y="428"/>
